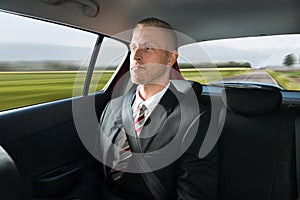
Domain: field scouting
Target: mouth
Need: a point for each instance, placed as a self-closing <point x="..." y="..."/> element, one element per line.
<point x="136" y="67"/>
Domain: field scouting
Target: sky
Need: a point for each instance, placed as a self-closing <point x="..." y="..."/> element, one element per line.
<point x="25" y="30"/>
<point x="258" y="51"/>
<point x="28" y="39"/>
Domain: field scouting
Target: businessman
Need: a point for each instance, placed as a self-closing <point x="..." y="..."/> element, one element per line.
<point x="149" y="139"/>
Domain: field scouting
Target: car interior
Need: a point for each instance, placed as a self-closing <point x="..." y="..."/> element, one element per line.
<point x="43" y="146"/>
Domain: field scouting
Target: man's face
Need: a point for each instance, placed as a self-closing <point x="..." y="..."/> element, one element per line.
<point x="149" y="56"/>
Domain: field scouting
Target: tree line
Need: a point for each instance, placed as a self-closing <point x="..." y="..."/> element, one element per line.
<point x="45" y="66"/>
<point x="216" y="65"/>
<point x="290" y="60"/>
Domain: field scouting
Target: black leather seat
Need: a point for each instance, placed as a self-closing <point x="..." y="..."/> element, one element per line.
<point x="10" y="183"/>
<point x="256" y="147"/>
<point x="185" y="86"/>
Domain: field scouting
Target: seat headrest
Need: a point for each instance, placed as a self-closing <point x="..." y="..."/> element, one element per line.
<point x="175" y="72"/>
<point x="251" y="101"/>
<point x="184" y="86"/>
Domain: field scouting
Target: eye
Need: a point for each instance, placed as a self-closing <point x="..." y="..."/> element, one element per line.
<point x="148" y="48"/>
<point x="132" y="48"/>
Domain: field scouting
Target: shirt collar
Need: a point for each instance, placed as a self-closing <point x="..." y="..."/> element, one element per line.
<point x="150" y="103"/>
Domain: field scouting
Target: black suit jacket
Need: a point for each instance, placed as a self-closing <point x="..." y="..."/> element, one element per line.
<point x="169" y="142"/>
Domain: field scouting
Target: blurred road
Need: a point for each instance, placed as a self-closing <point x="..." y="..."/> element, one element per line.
<point x="257" y="75"/>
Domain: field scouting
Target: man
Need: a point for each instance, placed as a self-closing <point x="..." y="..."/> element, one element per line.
<point x="150" y="137"/>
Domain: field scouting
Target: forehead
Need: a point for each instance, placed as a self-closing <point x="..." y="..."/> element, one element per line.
<point x="149" y="34"/>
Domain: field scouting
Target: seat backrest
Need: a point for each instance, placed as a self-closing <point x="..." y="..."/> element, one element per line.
<point x="10" y="183"/>
<point x="185" y="86"/>
<point x="256" y="147"/>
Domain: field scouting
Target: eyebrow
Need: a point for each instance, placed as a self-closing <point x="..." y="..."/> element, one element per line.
<point x="152" y="43"/>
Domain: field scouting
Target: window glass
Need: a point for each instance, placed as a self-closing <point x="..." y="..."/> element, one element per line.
<point x="39" y="61"/>
<point x="112" y="54"/>
<point x="264" y="60"/>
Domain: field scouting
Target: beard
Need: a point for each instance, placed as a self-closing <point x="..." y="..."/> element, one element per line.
<point x="149" y="74"/>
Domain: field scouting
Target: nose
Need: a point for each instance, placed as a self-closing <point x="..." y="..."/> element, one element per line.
<point x="136" y="54"/>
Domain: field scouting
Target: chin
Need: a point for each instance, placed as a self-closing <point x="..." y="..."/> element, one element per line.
<point x="138" y="81"/>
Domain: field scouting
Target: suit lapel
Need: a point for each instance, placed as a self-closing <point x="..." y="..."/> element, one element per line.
<point x="158" y="118"/>
<point x="154" y="123"/>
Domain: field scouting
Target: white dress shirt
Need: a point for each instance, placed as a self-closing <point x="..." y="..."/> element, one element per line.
<point x="150" y="103"/>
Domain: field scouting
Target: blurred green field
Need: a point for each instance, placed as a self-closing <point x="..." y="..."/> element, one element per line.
<point x="206" y="75"/>
<point x="18" y="89"/>
<point x="286" y="78"/>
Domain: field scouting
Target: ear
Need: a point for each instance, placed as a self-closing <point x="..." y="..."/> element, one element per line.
<point x="173" y="55"/>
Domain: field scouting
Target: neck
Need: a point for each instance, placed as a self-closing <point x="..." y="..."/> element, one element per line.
<point x="148" y="90"/>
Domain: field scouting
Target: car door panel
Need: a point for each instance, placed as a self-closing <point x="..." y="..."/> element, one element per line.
<point x="43" y="142"/>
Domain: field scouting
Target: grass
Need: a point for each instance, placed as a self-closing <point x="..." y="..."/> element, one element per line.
<point x="206" y="75"/>
<point x="286" y="78"/>
<point x="18" y="89"/>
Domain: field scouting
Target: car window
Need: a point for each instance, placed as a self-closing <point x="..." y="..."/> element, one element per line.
<point x="264" y="60"/>
<point x="39" y="61"/>
<point x="112" y="54"/>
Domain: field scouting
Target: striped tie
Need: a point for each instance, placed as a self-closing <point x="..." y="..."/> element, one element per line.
<point x="139" y="119"/>
<point x="124" y="155"/>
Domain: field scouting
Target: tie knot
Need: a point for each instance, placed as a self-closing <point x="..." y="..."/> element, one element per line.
<point x="142" y="108"/>
<point x="139" y="118"/>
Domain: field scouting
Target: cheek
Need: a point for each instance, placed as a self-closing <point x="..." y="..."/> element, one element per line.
<point x="159" y="58"/>
<point x="164" y="57"/>
<point x="131" y="57"/>
<point x="164" y="60"/>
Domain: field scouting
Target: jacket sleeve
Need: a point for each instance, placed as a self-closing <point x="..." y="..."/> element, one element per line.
<point x="91" y="180"/>
<point x="198" y="177"/>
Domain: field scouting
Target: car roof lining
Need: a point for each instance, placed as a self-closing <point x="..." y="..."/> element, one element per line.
<point x="200" y="20"/>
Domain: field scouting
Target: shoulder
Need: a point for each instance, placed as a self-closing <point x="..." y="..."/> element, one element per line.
<point x="112" y="111"/>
